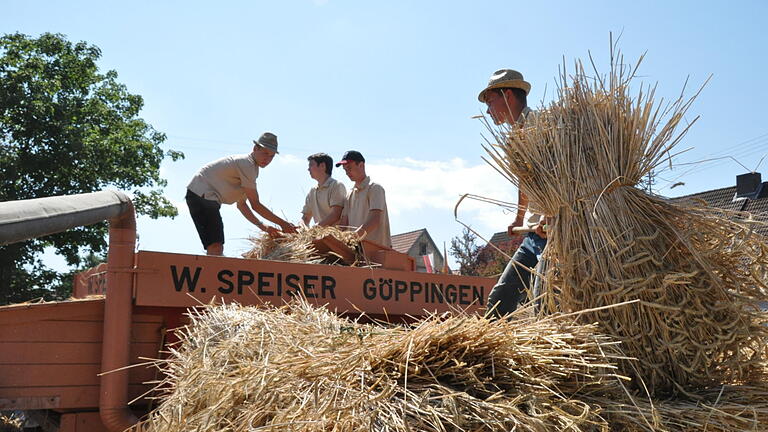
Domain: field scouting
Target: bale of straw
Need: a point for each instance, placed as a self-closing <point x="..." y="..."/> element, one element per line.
<point x="297" y="247"/>
<point x="723" y="409"/>
<point x="296" y="368"/>
<point x="696" y="274"/>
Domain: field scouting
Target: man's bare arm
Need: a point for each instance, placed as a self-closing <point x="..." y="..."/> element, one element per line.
<point x="333" y="217"/>
<point x="248" y="214"/>
<point x="522" y="206"/>
<point x="371" y="223"/>
<point x="258" y="207"/>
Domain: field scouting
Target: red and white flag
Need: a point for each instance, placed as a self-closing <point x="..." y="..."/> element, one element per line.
<point x="428" y="262"/>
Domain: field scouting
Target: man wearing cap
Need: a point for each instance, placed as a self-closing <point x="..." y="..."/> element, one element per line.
<point x="325" y="201"/>
<point x="506" y="98"/>
<point x="366" y="208"/>
<point x="230" y="180"/>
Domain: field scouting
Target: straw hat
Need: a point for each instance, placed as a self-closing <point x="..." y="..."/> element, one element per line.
<point x="268" y="140"/>
<point x="505" y="78"/>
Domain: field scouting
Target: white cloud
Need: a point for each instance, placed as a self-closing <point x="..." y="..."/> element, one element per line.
<point x="413" y="184"/>
<point x="432" y="187"/>
<point x="290" y="160"/>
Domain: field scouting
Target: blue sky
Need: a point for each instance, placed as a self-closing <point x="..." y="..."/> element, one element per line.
<point x="398" y="81"/>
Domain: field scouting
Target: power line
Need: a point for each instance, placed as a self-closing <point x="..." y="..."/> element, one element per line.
<point x="738" y="157"/>
<point x="755" y="146"/>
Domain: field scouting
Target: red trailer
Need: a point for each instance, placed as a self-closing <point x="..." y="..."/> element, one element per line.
<point x="78" y="365"/>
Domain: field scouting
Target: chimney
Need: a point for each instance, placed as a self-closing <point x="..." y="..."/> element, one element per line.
<point x="750" y="186"/>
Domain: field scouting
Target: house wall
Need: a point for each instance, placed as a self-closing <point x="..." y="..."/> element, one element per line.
<point x="424" y="246"/>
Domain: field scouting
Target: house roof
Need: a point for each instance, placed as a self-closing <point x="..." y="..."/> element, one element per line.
<point x="725" y="198"/>
<point x="500" y="237"/>
<point x="403" y="242"/>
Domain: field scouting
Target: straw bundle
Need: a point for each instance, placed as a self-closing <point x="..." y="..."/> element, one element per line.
<point x="302" y="369"/>
<point x="697" y="274"/>
<point x="10" y="423"/>
<point x="724" y="409"/>
<point x="297" y="247"/>
<point x="296" y="368"/>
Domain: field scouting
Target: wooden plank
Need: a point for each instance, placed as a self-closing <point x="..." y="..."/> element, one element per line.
<point x="146" y="332"/>
<point x="146" y="317"/>
<point x="65" y="352"/>
<point x="30" y="402"/>
<point x="52" y="331"/>
<point x="82" y="422"/>
<point x="42" y="375"/>
<point x="72" y="331"/>
<point x="71" y="397"/>
<point x="81" y="309"/>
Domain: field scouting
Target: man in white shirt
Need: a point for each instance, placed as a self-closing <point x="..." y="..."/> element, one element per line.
<point x="230" y="180"/>
<point x="325" y="201"/>
<point x="366" y="209"/>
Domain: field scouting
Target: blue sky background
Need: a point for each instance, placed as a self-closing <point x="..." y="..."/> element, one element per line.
<point x="398" y="81"/>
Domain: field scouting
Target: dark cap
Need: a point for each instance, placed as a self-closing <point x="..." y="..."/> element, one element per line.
<point x="351" y="156"/>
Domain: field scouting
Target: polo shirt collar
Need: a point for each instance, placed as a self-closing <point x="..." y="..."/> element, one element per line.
<point x="327" y="183"/>
<point x="364" y="184"/>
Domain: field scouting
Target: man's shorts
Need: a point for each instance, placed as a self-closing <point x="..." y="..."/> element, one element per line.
<point x="205" y="213"/>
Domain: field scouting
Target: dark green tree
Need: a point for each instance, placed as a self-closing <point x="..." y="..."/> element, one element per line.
<point x="67" y="128"/>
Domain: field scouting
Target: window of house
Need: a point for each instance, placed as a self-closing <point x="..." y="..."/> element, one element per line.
<point x="423" y="249"/>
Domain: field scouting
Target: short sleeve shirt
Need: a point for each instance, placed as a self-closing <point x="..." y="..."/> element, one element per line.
<point x="369" y="196"/>
<point x="225" y="180"/>
<point x="321" y="199"/>
<point x="532" y="214"/>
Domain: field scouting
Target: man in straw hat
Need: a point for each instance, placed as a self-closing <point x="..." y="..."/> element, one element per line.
<point x="506" y="98"/>
<point x="230" y="180"/>
<point x="325" y="201"/>
<point x="366" y="208"/>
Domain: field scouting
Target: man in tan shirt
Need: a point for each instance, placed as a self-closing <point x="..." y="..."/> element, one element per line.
<point x="506" y="99"/>
<point x="230" y="180"/>
<point x="366" y="209"/>
<point x="325" y="201"/>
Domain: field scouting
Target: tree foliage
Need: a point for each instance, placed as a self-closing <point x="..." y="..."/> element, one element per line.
<point x="66" y="128"/>
<point x="465" y="250"/>
<point x="481" y="260"/>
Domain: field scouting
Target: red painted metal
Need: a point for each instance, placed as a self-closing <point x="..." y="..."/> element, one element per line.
<point x="115" y="357"/>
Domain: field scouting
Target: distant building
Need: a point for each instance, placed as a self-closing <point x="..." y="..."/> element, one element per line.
<point x="503" y="241"/>
<point x="418" y="244"/>
<point x="749" y="195"/>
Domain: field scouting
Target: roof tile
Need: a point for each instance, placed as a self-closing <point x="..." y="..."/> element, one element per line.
<point x="403" y="242"/>
<point x="724" y="198"/>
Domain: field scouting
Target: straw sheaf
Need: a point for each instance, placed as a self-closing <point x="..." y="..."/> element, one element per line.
<point x="302" y="369"/>
<point x="297" y="247"/>
<point x="296" y="368"/>
<point x="697" y="274"/>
